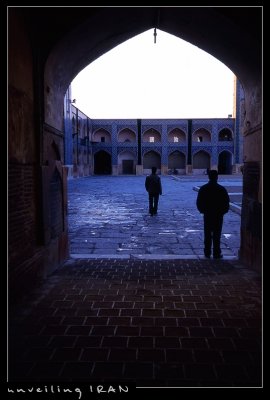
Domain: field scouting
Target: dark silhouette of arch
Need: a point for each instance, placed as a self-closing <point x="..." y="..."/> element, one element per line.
<point x="224" y="135"/>
<point x="102" y="163"/>
<point x="177" y="160"/>
<point x="151" y="159"/>
<point x="225" y="163"/>
<point x="53" y="57"/>
<point x="201" y="160"/>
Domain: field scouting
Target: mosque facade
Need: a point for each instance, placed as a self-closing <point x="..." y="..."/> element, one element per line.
<point x="133" y="146"/>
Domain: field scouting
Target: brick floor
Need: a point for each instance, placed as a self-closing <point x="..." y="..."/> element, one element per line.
<point x="184" y="323"/>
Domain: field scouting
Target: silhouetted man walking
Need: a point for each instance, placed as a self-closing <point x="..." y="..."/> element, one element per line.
<point x="154" y="189"/>
<point x="213" y="201"/>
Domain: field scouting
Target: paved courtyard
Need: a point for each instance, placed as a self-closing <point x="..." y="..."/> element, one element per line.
<point x="108" y="217"/>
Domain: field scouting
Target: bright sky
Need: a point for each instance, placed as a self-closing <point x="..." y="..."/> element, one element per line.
<point x="167" y="79"/>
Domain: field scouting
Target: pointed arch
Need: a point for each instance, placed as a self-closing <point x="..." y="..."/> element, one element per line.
<point x="126" y="162"/>
<point x="151" y="135"/>
<point x="101" y="135"/>
<point x="176" y="135"/>
<point x="225" y="135"/>
<point x="177" y="162"/>
<point x="201" y="161"/>
<point x="225" y="162"/>
<point x="151" y="159"/>
<point x="201" y="135"/>
<point x="102" y="163"/>
<point x="126" y="135"/>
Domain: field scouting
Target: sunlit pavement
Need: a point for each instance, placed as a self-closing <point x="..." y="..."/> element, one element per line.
<point x="108" y="217"/>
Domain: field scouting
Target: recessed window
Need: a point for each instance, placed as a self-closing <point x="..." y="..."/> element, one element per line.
<point x="175" y="139"/>
<point x="102" y="139"/>
<point x="151" y="139"/>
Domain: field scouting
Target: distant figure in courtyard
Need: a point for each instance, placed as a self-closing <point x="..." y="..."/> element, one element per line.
<point x="213" y="202"/>
<point x="154" y="189"/>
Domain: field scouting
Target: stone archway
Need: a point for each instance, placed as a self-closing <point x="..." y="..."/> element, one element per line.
<point x="177" y="162"/>
<point x="44" y="61"/>
<point x="225" y="135"/>
<point x="151" y="159"/>
<point x="126" y="163"/>
<point x="225" y="162"/>
<point x="201" y="135"/>
<point x="101" y="135"/>
<point x="201" y="161"/>
<point x="102" y="163"/>
<point x="176" y="135"/>
<point x="151" y="135"/>
<point x="126" y="135"/>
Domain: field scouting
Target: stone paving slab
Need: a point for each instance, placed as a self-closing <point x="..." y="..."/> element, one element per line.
<point x="108" y="216"/>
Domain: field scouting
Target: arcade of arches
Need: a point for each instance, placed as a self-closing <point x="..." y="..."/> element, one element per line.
<point x="129" y="146"/>
<point x="46" y="51"/>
